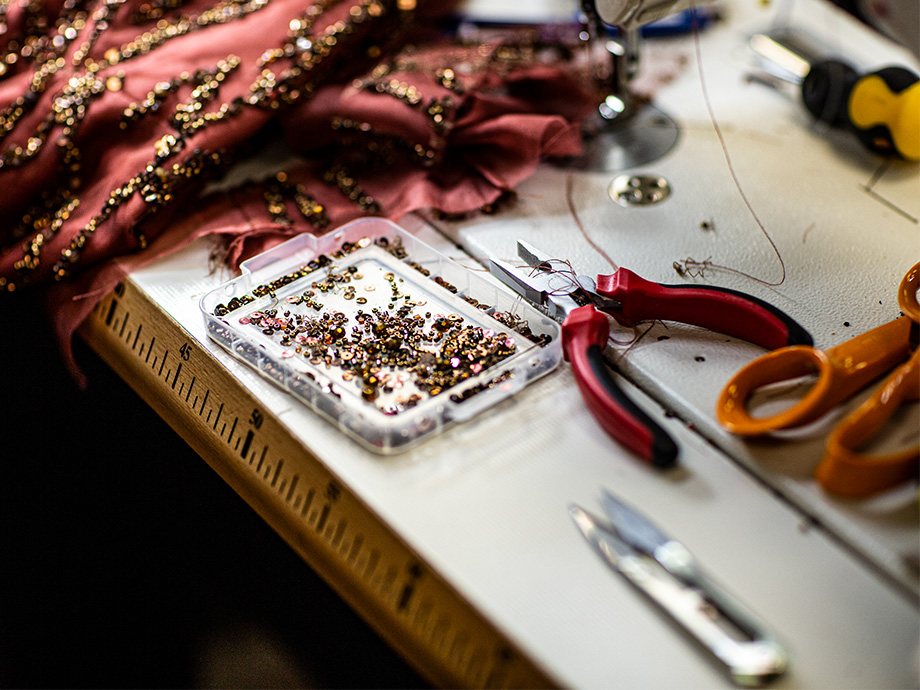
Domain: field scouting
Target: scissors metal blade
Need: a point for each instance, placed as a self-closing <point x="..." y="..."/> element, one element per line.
<point x="640" y="533"/>
<point x="633" y="527"/>
<point x="729" y="632"/>
<point x="607" y="545"/>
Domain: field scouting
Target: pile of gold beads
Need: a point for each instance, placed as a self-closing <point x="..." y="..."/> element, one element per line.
<point x="385" y="352"/>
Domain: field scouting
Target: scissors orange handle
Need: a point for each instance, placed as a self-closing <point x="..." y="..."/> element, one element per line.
<point x="841" y="371"/>
<point x="846" y="471"/>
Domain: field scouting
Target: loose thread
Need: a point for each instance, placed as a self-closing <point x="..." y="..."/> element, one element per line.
<point x="569" y="273"/>
<point x="581" y="228"/>
<point x="632" y="342"/>
<point x="731" y="170"/>
<point x="569" y="181"/>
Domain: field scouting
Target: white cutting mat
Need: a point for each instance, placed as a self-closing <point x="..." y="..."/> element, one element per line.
<point x="486" y="502"/>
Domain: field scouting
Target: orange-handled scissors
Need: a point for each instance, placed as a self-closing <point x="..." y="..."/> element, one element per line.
<point x="841" y="372"/>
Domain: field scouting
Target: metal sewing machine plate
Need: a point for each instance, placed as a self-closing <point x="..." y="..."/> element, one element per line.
<point x="639" y="190"/>
<point x="380" y="333"/>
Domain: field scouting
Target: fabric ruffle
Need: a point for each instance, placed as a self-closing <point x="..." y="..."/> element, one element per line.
<point x="337" y="123"/>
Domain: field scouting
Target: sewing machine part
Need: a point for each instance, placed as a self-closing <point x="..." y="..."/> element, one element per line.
<point x="639" y="190"/>
<point x="632" y="14"/>
<point x="625" y="131"/>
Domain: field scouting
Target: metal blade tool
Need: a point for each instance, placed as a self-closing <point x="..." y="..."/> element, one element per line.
<point x="666" y="572"/>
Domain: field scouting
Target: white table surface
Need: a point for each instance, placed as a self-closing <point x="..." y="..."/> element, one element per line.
<point x="485" y="503"/>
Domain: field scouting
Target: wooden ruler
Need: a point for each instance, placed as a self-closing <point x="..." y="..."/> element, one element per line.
<point x="409" y="604"/>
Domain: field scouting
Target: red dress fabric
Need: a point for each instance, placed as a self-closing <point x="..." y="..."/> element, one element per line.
<point x="115" y="121"/>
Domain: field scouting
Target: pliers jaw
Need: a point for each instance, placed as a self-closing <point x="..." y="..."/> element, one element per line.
<point x="548" y="291"/>
<point x="580" y="289"/>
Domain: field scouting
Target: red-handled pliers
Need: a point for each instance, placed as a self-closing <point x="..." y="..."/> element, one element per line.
<point x="574" y="300"/>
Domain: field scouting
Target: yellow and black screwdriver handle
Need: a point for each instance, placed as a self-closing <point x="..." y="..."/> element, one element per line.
<point x="882" y="108"/>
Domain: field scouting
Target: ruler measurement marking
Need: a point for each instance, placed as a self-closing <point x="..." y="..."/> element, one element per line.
<point x="458" y="646"/>
<point x="111" y="312"/>
<point x="339" y="532"/>
<point x="371" y="562"/>
<point x="439" y="632"/>
<point x="406" y="600"/>
<point x="475" y="664"/>
<point x="388" y="579"/>
<point x="422" y="611"/>
<point x="246" y="443"/>
<point x="405" y="595"/>
<point x="355" y="547"/>
<point x="323" y="516"/>
<point x="291" y="488"/>
<point x="306" y="504"/>
<point x="232" y="429"/>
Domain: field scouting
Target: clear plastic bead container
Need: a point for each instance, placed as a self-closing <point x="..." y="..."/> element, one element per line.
<point x="379" y="333"/>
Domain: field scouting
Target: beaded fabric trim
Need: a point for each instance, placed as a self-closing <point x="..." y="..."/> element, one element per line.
<point x="63" y="77"/>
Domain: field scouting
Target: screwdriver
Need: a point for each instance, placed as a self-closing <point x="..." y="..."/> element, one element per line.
<point x="881" y="108"/>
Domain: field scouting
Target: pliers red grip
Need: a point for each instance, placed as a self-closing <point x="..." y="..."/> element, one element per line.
<point x="584" y="337"/>
<point x="714" y="308"/>
<point x="580" y="304"/>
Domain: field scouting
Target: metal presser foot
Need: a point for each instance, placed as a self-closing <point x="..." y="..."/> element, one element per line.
<point x="625" y="132"/>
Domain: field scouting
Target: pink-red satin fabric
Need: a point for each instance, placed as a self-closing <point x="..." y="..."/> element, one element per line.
<point x="507" y="117"/>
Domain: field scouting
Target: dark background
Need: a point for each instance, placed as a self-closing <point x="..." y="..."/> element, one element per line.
<point x="125" y="561"/>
